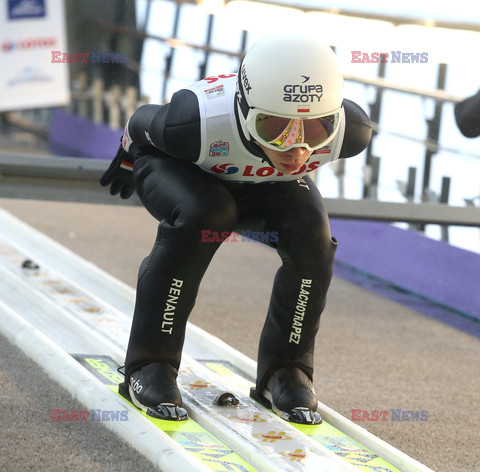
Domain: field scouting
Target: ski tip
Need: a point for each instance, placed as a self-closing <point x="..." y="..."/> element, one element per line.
<point x="168" y="412"/>
<point x="164" y="411"/>
<point x="302" y="415"/>
<point x="299" y="415"/>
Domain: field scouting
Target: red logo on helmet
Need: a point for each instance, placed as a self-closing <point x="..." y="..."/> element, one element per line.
<point x="303" y="109"/>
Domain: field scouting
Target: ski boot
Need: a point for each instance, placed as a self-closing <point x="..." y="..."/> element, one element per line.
<point x="290" y="394"/>
<point x="153" y="389"/>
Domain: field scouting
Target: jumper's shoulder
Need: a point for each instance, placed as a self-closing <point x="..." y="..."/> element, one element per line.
<point x="182" y="126"/>
<point x="173" y="128"/>
<point x="358" y="129"/>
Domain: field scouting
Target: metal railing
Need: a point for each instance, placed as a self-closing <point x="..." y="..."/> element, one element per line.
<point x="77" y="180"/>
<point x="43" y="177"/>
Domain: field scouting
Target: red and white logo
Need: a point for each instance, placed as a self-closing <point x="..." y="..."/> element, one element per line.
<point x="126" y="140"/>
<point x="224" y="168"/>
<point x="303" y="109"/>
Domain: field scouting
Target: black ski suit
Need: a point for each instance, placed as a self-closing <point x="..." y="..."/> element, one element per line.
<point x="230" y="187"/>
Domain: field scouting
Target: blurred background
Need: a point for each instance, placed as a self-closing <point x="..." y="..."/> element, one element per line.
<point x="73" y="72"/>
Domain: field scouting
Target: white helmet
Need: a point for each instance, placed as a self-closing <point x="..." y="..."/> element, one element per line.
<point x="290" y="92"/>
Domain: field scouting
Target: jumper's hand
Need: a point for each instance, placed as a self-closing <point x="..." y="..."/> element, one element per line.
<point x="119" y="175"/>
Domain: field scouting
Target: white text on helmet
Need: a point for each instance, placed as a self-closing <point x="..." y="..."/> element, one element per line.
<point x="246" y="83"/>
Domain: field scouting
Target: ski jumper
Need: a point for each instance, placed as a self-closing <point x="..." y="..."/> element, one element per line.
<point x="198" y="175"/>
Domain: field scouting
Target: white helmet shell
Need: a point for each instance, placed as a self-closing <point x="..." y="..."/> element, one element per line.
<point x="290" y="75"/>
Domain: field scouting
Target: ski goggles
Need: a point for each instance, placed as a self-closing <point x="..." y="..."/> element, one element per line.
<point x="283" y="133"/>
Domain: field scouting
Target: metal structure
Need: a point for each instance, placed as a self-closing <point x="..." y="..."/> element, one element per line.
<point x="76" y="180"/>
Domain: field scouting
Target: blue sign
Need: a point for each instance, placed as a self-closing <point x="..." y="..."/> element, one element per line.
<point x="21" y="9"/>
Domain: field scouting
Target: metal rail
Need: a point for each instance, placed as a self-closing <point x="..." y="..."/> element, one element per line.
<point x="76" y="180"/>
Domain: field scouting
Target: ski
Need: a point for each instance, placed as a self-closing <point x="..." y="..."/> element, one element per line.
<point x="325" y="434"/>
<point x="195" y="439"/>
<point x="259" y="436"/>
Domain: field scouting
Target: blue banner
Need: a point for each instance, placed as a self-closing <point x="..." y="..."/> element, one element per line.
<point x="21" y="9"/>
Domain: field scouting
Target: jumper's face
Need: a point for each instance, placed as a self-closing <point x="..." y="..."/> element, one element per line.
<point x="287" y="162"/>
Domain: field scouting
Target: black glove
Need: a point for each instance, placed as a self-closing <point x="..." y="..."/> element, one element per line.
<point x="120" y="175"/>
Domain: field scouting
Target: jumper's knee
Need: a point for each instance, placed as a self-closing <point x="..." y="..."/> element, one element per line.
<point x="306" y="243"/>
<point x="214" y="217"/>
